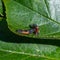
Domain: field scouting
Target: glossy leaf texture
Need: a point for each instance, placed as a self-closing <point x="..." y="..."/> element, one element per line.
<point x="19" y="16"/>
<point x="13" y="47"/>
<point x="21" y="13"/>
<point x="28" y="51"/>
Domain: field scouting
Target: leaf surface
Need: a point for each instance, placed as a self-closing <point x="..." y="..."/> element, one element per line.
<point x="14" y="47"/>
<point x="1" y="9"/>
<point x="29" y="51"/>
<point x="21" y="13"/>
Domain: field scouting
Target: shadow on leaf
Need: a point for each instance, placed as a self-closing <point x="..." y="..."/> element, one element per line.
<point x="7" y="36"/>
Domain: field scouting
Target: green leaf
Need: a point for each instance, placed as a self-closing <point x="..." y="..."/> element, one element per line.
<point x="13" y="47"/>
<point x="1" y="7"/>
<point x="28" y="51"/>
<point x="1" y="10"/>
<point x="21" y="13"/>
<point x="10" y="49"/>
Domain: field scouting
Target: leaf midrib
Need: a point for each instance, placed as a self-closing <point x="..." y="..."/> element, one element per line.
<point x="41" y="14"/>
<point x="23" y="53"/>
